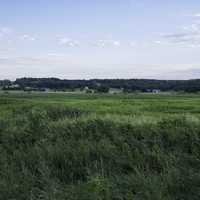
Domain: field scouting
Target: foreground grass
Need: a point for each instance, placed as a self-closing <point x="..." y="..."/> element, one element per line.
<point x="84" y="147"/>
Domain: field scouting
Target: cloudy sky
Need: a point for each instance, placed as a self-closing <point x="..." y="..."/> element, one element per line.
<point x="81" y="39"/>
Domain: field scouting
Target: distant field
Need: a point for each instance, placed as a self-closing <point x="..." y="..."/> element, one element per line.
<point x="99" y="147"/>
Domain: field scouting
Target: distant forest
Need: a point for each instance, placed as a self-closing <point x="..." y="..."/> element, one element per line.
<point x="102" y="85"/>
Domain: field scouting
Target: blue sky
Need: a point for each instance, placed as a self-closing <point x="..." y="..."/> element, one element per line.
<point x="100" y="39"/>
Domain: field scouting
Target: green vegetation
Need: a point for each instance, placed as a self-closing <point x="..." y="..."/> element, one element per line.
<point x="99" y="147"/>
<point x="101" y="85"/>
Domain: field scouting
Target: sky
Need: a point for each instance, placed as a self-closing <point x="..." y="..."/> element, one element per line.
<point x="84" y="39"/>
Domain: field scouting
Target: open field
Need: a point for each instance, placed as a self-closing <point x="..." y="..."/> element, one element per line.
<point x="99" y="147"/>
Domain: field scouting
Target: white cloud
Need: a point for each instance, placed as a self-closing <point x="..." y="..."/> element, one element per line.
<point x="106" y="43"/>
<point x="193" y="28"/>
<point x="100" y="43"/>
<point x="5" y="30"/>
<point x="188" y="35"/>
<point x="69" y="42"/>
<point x="158" y="42"/>
<point x="116" y="43"/>
<point x="27" y="37"/>
<point x="132" y="44"/>
<point x="196" y="15"/>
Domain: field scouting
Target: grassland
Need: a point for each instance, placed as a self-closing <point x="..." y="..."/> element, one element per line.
<point x="99" y="147"/>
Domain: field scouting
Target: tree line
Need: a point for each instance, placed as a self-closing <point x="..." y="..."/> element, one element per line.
<point x="103" y="85"/>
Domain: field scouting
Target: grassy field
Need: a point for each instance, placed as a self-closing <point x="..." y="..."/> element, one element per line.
<point x="99" y="147"/>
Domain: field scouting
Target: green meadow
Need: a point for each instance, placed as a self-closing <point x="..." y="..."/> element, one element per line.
<point x="57" y="146"/>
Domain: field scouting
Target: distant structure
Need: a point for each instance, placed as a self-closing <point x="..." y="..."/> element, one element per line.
<point x="156" y="91"/>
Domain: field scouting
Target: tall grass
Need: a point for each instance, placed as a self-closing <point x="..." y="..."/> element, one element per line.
<point x="60" y="152"/>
